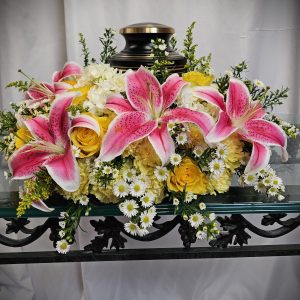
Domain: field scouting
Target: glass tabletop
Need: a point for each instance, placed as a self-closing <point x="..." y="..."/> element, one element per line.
<point x="236" y="200"/>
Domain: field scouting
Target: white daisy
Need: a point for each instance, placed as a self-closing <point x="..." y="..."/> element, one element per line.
<point x="181" y="138"/>
<point x="107" y="170"/>
<point x="175" y="159"/>
<point x="129" y="174"/>
<point x="175" y="201"/>
<point x="129" y="208"/>
<point x="161" y="173"/>
<point x="152" y="211"/>
<point x="146" y="220"/>
<point x="259" y="187"/>
<point x="212" y="216"/>
<point x="216" y="167"/>
<point x="138" y="188"/>
<point x="148" y="199"/>
<point x="142" y="232"/>
<point x="267" y="181"/>
<point x="196" y="220"/>
<point x="84" y="200"/>
<point x="222" y="151"/>
<point x="131" y="228"/>
<point x="276" y="182"/>
<point x="120" y="189"/>
<point x="62" y="246"/>
<point x="115" y="173"/>
<point x="272" y="191"/>
<point x="98" y="163"/>
<point x="143" y="178"/>
<point x="189" y="197"/>
<point x="202" y="206"/>
<point x="201" y="235"/>
<point x="198" y="151"/>
<point x="250" y="179"/>
<point x="259" y="83"/>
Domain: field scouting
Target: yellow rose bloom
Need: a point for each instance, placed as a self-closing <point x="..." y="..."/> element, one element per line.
<point x="189" y="176"/>
<point x="198" y="78"/>
<point x="87" y="140"/>
<point x="81" y="98"/>
<point x="23" y="136"/>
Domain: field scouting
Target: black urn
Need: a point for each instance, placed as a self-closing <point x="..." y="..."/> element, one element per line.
<point x="138" y="47"/>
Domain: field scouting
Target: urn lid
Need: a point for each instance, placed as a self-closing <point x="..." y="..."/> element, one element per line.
<point x="147" y="27"/>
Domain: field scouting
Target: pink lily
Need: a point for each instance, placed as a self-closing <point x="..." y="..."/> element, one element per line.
<point x="42" y="92"/>
<point x="146" y="113"/>
<point x="245" y="117"/>
<point x="51" y="146"/>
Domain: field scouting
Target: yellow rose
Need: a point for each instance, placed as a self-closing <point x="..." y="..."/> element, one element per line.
<point x="87" y="140"/>
<point x="187" y="175"/>
<point x="23" y="136"/>
<point x="81" y="98"/>
<point x="198" y="78"/>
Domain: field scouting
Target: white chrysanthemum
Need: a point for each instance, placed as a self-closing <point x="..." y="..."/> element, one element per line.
<point x="144" y="178"/>
<point x="267" y="181"/>
<point x="162" y="47"/>
<point x="61" y="234"/>
<point x="129" y="174"/>
<point x="181" y="138"/>
<point x="152" y="211"/>
<point x="62" y="246"/>
<point x="259" y="187"/>
<point x="115" y="173"/>
<point x="175" y="159"/>
<point x="138" y="188"/>
<point x="196" y="220"/>
<point x="202" y="206"/>
<point x="142" y="232"/>
<point x="131" y="228"/>
<point x="148" y="199"/>
<point x="76" y="151"/>
<point x="259" y="83"/>
<point x="272" y="191"/>
<point x="276" y="182"/>
<point x="161" y="173"/>
<point x="216" y="167"/>
<point x="201" y="235"/>
<point x="84" y="200"/>
<point x="212" y="216"/>
<point x="98" y="163"/>
<point x="250" y="179"/>
<point x="189" y="197"/>
<point x="129" y="208"/>
<point x="121" y="189"/>
<point x="198" y="151"/>
<point x="107" y="170"/>
<point x="146" y="219"/>
<point x="62" y="224"/>
<point x="222" y="151"/>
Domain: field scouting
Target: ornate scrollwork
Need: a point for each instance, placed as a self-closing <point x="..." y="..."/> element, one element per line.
<point x="16" y="225"/>
<point x="234" y="229"/>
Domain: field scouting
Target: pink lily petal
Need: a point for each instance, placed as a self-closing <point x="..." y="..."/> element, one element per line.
<point x="259" y="158"/>
<point x="124" y="130"/>
<point x="61" y="87"/>
<point x="162" y="143"/>
<point x="58" y="118"/>
<point x="39" y="128"/>
<point x="26" y="161"/>
<point x="118" y="104"/>
<point x="69" y="69"/>
<point x="268" y="133"/>
<point x="221" y="130"/>
<point x="40" y="205"/>
<point x="238" y="97"/>
<point x="171" y="88"/>
<point x="257" y="111"/>
<point x="64" y="170"/>
<point x="210" y="95"/>
<point x="142" y="89"/>
<point x="85" y="121"/>
<point x="39" y="93"/>
<point x="203" y="120"/>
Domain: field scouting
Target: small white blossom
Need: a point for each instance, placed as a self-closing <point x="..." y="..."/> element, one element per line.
<point x="129" y="208"/>
<point x="6" y="174"/>
<point x="202" y="206"/>
<point x="259" y="83"/>
<point x="63" y="214"/>
<point x="198" y="151"/>
<point x="189" y="197"/>
<point x="216" y="167"/>
<point x="201" y="235"/>
<point x="107" y="170"/>
<point x="175" y="159"/>
<point x="212" y="216"/>
<point x="62" y="224"/>
<point x="175" y="201"/>
<point x="259" y="187"/>
<point x="84" y="200"/>
<point x="222" y="151"/>
<point x="129" y="174"/>
<point x="272" y="191"/>
<point x="131" y="228"/>
<point x="181" y="138"/>
<point x="148" y="199"/>
<point x="61" y="234"/>
<point x="267" y="181"/>
<point x="115" y="173"/>
<point x="146" y="219"/>
<point x="171" y="125"/>
<point x="98" y="163"/>
<point x="62" y="246"/>
<point x="138" y="188"/>
<point x="121" y="189"/>
<point x="142" y="232"/>
<point x="152" y="211"/>
<point x="196" y="220"/>
<point x="250" y="179"/>
<point x="162" y="47"/>
<point x="276" y="182"/>
<point x="76" y="151"/>
<point x="280" y="197"/>
<point x="161" y="173"/>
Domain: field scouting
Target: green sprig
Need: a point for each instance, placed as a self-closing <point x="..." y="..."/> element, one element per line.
<point x="84" y="49"/>
<point x="21" y="85"/>
<point x="107" y="41"/>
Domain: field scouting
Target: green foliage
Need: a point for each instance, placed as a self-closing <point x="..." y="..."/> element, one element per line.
<point x="75" y="109"/>
<point x="275" y="97"/>
<point x="108" y="48"/>
<point x="21" y="85"/>
<point x="84" y="49"/>
<point x="173" y="42"/>
<point x="202" y="64"/>
<point x="161" y="63"/>
<point x="8" y="122"/>
<point x="238" y="69"/>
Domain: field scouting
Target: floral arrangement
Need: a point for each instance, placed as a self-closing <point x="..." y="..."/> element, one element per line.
<point x="141" y="137"/>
